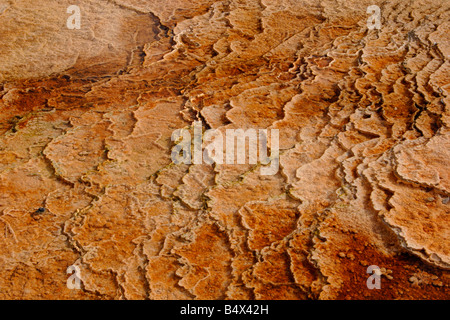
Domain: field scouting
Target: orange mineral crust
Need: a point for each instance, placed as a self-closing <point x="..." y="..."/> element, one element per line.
<point x="93" y="205"/>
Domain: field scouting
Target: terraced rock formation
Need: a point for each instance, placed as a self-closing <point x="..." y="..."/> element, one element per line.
<point x="86" y="176"/>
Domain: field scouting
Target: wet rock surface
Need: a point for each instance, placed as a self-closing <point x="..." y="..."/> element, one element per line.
<point x="87" y="179"/>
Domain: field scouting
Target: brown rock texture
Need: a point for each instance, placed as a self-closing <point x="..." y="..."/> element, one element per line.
<point x="86" y="176"/>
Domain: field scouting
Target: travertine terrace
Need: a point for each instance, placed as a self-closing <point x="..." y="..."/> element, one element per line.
<point x="86" y="176"/>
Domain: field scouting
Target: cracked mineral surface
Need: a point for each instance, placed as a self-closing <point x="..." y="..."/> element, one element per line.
<point x="87" y="179"/>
